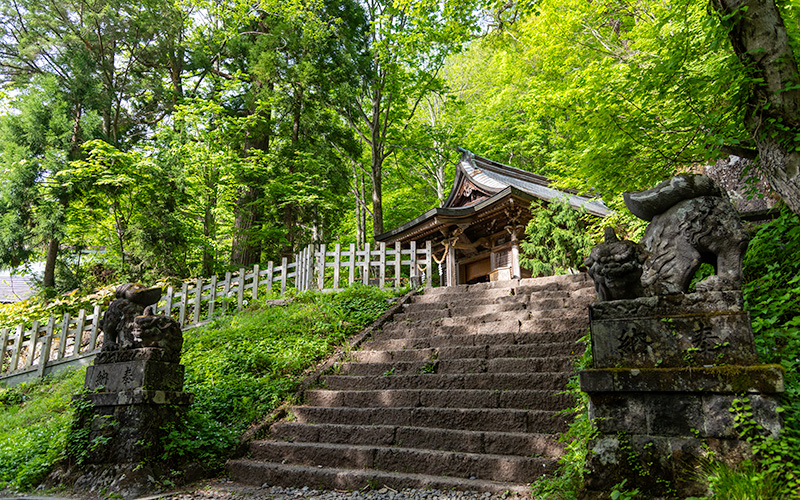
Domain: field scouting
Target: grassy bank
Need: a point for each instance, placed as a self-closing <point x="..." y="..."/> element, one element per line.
<point x="239" y="368"/>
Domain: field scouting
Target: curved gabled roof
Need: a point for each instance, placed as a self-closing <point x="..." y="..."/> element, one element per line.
<point x="493" y="177"/>
<point x="482" y="184"/>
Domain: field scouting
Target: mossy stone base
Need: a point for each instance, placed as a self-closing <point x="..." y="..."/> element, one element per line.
<point x="657" y="425"/>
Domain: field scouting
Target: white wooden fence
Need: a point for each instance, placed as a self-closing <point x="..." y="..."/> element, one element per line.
<point x="44" y="347"/>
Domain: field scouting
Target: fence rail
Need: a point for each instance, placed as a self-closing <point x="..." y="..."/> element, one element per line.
<point x="45" y="347"/>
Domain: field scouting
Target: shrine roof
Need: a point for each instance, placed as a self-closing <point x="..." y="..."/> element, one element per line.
<point x="493" y="177"/>
<point x="483" y="185"/>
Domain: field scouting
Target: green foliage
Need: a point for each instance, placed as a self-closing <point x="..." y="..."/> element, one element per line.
<point x="776" y="456"/>
<point x="772" y="295"/>
<point x="606" y="96"/>
<point x="361" y="303"/>
<point x="34" y="432"/>
<point x="620" y="493"/>
<point x="239" y="368"/>
<point x="557" y="239"/>
<point x="567" y="482"/>
<point x="745" y="482"/>
<point x="242" y="367"/>
<point x="40" y="308"/>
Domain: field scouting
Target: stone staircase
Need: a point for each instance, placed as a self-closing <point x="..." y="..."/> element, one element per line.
<point x="461" y="390"/>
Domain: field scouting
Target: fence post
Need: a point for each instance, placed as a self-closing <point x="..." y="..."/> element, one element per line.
<point x="398" y="254"/>
<point x="62" y="342"/>
<point x="17" y="347"/>
<point x="256" y="272"/>
<point x="32" y="344"/>
<point x="95" y="324"/>
<point x="270" y="275"/>
<point x="226" y="287"/>
<point x="212" y="298"/>
<point x="3" y="345"/>
<point x="429" y="263"/>
<point x="47" y="345"/>
<point x="299" y="258"/>
<point x="382" y="269"/>
<point x="351" y="265"/>
<point x="337" y="261"/>
<point x="367" y="259"/>
<point x="198" y="300"/>
<point x="168" y="304"/>
<point x="299" y="269"/>
<point x="285" y="266"/>
<point x="307" y="263"/>
<point x="79" y="331"/>
<point x="183" y="303"/>
<point x="311" y="254"/>
<point x="322" y="259"/>
<point x="412" y="268"/>
<point x="240" y="290"/>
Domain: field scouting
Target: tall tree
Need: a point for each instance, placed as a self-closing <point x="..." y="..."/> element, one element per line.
<point x="99" y="56"/>
<point x="759" y="37"/>
<point x="407" y="43"/>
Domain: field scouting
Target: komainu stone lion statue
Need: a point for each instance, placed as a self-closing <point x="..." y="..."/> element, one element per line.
<point x="692" y="222"/>
<point x="129" y="323"/>
<point x="119" y="320"/>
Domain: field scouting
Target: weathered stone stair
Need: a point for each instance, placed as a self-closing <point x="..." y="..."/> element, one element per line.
<point x="462" y="389"/>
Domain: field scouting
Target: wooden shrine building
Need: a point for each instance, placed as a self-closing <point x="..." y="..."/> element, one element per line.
<point x="477" y="230"/>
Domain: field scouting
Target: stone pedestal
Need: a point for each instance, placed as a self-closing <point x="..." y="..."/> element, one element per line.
<point x="138" y="394"/>
<point x="667" y="371"/>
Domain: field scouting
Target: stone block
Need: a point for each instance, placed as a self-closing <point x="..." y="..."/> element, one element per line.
<point x="663" y="467"/>
<point x="672" y="341"/>
<point x="669" y="305"/>
<point x="128" y="433"/>
<point x="719" y="379"/>
<point x="618" y="413"/>
<point x="135" y="374"/>
<point x="138" y="354"/>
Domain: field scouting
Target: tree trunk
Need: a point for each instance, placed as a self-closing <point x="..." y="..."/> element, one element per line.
<point x="758" y="36"/>
<point x="248" y="215"/>
<point x="377" y="196"/>
<point x="210" y="234"/>
<point x="49" y="278"/>
<point x="246" y="248"/>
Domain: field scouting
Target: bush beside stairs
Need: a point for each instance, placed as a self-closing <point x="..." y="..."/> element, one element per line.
<point x="461" y="390"/>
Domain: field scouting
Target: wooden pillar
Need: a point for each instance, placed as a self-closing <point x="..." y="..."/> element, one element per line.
<point x="452" y="267"/>
<point x="516" y="273"/>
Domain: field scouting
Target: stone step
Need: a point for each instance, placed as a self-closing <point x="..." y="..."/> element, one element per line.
<point x="493" y="312"/>
<point x="465" y="312"/>
<point x="468" y="419"/>
<point x="563" y="281"/>
<point x="422" y="341"/>
<point x="501" y="443"/>
<point x="506" y="468"/>
<point x="258" y="473"/>
<point x="466" y="299"/>
<point x="433" y="398"/>
<point x="488" y="323"/>
<point x="464" y="365"/>
<point x="548" y="349"/>
<point x="487" y="381"/>
<point x="493" y="289"/>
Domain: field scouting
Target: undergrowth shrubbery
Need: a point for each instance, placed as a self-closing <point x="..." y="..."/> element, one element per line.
<point x="39" y="307"/>
<point x="239" y="368"/>
<point x="242" y="367"/>
<point x="34" y="424"/>
<point x="772" y="295"/>
<point x="568" y="480"/>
